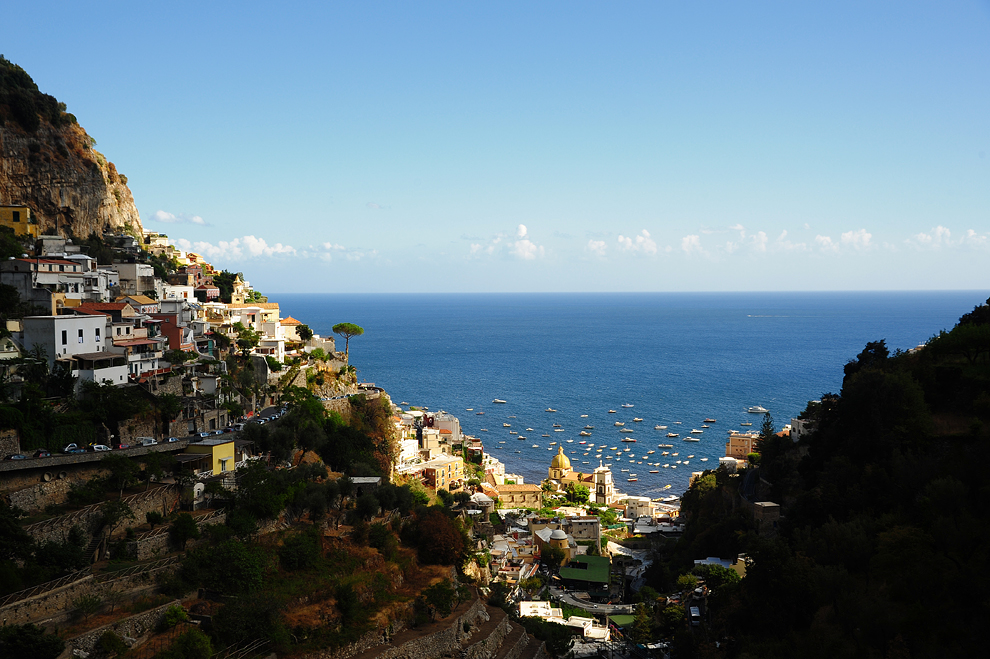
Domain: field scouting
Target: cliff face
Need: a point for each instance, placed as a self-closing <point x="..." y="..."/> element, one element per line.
<point x="70" y="187"/>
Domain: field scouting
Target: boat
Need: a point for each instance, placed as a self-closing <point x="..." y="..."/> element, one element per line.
<point x="544" y="435"/>
<point x="672" y="434"/>
<point x="589" y="427"/>
<point x="584" y="416"/>
<point x="470" y="409"/>
<point x="506" y="425"/>
<point x="757" y="409"/>
<point x="654" y="471"/>
<point x="623" y="470"/>
<point x="632" y="480"/>
<point x="550" y="409"/>
<point x="529" y="430"/>
<point x="582" y="442"/>
<point x="691" y="439"/>
<point x="666" y="487"/>
<point x="584" y="433"/>
<point x="619" y="423"/>
<point x="690" y="456"/>
<point x="484" y="430"/>
<point x="553" y="443"/>
<point x="499" y="401"/>
<point x="513" y="432"/>
<point x="558" y="430"/>
<point x="745" y="424"/>
<point x="480" y="413"/>
<point x="611" y="411"/>
<point x="521" y="437"/>
<point x="705" y="425"/>
<point x="556" y="425"/>
<point x="626" y="430"/>
<point x="704" y="459"/>
<point x="570" y="441"/>
<point x="659" y="427"/>
<point x="636" y="419"/>
<point x="695" y="431"/>
<point x="536" y="446"/>
<point x="628" y="439"/>
<point x="651" y="451"/>
<point x="626" y="405"/>
<point x="710" y="421"/>
<point x="665" y="445"/>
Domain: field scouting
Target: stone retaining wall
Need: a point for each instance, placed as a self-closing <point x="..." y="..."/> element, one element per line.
<point x="158" y="545"/>
<point x="135" y="626"/>
<point x="57" y="529"/>
<point x="56" y="605"/>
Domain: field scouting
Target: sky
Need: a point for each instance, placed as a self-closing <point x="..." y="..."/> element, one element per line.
<point x="551" y="146"/>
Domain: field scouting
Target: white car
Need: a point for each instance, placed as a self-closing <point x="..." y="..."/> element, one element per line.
<point x="99" y="447"/>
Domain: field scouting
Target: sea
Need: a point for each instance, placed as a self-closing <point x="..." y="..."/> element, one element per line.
<point x="597" y="359"/>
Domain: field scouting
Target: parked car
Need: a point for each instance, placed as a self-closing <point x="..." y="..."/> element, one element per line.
<point x="204" y="434"/>
<point x="69" y="448"/>
<point x="173" y="439"/>
<point x="122" y="446"/>
<point x="77" y="450"/>
<point x="147" y="441"/>
<point x="96" y="448"/>
<point x="42" y="453"/>
<point x="16" y="456"/>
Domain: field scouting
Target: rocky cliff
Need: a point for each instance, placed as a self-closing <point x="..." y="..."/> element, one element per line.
<point x="48" y="163"/>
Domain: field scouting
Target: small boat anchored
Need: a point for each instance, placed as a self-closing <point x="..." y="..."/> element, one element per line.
<point x="757" y="409"/>
<point x="499" y="401"/>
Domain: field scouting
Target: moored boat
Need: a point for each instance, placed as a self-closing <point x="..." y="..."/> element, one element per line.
<point x="499" y="401"/>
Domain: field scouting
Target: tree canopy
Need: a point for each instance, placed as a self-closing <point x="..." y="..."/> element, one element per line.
<point x="347" y="330"/>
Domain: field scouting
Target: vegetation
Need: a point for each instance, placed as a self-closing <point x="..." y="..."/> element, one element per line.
<point x="881" y="547"/>
<point x="348" y="330"/>
<point x="22" y="102"/>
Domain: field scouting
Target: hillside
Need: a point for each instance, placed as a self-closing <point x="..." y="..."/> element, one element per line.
<point x="47" y="162"/>
<point x="883" y="540"/>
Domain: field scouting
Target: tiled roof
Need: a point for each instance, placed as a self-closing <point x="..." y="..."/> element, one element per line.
<point x="261" y="305"/>
<point x="290" y="321"/>
<point x="520" y="488"/>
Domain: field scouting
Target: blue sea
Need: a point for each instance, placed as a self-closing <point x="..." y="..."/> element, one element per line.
<point x="677" y="358"/>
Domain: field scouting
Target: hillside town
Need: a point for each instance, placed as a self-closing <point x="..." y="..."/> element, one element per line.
<point x="171" y="373"/>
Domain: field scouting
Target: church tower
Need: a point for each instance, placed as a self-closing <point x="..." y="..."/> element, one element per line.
<point x="604" y="492"/>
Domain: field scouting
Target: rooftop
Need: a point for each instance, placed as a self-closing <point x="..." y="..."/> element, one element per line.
<point x="588" y="568"/>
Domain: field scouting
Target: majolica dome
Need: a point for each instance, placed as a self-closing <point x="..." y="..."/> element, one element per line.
<point x="560" y="461"/>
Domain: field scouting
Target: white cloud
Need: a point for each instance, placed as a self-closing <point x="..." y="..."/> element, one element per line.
<point x="940" y="237"/>
<point x="597" y="247"/>
<point x="826" y="244"/>
<point x="521" y="248"/>
<point x="236" y="249"/>
<point x="181" y="218"/>
<point x="783" y="244"/>
<point x="692" y="244"/>
<point x="759" y="241"/>
<point x="639" y="243"/>
<point x="859" y="239"/>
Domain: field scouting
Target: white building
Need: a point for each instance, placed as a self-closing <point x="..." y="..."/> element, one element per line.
<point x="65" y="336"/>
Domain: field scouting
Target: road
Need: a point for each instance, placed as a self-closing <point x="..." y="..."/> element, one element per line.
<point x="596" y="609"/>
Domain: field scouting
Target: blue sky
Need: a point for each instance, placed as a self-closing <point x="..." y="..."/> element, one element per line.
<point x="658" y="146"/>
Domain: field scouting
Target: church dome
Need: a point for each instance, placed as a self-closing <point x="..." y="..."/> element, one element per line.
<point x="558" y="534"/>
<point x="560" y="461"/>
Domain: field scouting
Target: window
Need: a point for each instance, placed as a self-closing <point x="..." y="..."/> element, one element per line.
<point x="118" y="331"/>
<point x="61" y="268"/>
<point x="97" y="334"/>
<point x="16" y="216"/>
<point x="80" y="335"/>
<point x="65" y="337"/>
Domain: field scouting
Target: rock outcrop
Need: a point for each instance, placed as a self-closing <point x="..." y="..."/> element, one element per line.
<point x="48" y="163"/>
<point x="70" y="187"/>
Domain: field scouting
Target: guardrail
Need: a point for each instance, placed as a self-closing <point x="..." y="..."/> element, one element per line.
<point x="44" y="587"/>
<point x="136" y="569"/>
<point x="61" y="519"/>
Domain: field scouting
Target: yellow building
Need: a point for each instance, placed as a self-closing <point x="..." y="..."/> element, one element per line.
<point x="220" y="450"/>
<point x="741" y="444"/>
<point x="20" y="220"/>
<point x="444" y="473"/>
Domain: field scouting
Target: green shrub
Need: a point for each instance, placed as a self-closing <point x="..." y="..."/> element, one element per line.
<point x="111" y="644"/>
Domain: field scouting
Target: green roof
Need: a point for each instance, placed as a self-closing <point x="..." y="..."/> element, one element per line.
<point x="596" y="570"/>
<point x="622" y="621"/>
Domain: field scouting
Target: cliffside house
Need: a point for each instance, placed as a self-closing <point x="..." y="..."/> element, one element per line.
<point x="20" y="219"/>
